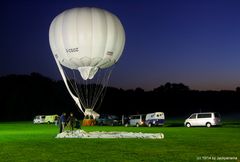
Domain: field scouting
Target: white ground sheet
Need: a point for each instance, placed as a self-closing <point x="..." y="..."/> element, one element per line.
<point x="83" y="134"/>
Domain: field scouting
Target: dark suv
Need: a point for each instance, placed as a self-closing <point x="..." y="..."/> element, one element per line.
<point x="105" y="119"/>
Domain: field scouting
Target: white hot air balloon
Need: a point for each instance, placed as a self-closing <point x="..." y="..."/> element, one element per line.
<point x="86" y="41"/>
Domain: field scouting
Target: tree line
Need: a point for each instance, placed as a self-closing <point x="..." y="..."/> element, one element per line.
<point x="24" y="96"/>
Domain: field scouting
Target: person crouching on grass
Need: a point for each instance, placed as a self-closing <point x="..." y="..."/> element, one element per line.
<point x="62" y="122"/>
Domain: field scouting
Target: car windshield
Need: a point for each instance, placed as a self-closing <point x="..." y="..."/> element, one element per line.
<point x="115" y="117"/>
<point x="135" y="117"/>
<point x="103" y="116"/>
<point x="192" y="116"/>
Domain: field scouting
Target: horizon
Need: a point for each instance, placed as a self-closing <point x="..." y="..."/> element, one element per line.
<point x="125" y="88"/>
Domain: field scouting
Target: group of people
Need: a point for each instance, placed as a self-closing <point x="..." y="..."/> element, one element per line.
<point x="71" y="122"/>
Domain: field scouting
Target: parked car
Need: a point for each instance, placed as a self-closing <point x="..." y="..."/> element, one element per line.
<point x="156" y="118"/>
<point x="136" y="120"/>
<point x="207" y="119"/>
<point x="105" y="119"/>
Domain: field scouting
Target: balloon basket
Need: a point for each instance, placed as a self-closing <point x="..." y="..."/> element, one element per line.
<point x="89" y="122"/>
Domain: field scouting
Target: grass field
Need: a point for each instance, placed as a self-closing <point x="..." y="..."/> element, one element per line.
<point x="24" y="141"/>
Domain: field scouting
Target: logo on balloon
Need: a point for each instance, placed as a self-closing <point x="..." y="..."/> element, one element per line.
<point x="109" y="53"/>
<point x="71" y="50"/>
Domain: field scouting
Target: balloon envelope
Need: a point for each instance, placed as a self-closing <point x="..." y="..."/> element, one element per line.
<point x="86" y="39"/>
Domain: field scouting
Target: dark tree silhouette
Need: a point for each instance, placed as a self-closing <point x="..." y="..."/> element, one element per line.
<point x="24" y="96"/>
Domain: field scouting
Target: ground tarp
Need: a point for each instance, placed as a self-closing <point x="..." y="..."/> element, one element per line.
<point x="97" y="134"/>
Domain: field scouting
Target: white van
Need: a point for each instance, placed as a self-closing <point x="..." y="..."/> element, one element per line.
<point x="39" y="119"/>
<point x="136" y="120"/>
<point x="156" y="118"/>
<point x="207" y="119"/>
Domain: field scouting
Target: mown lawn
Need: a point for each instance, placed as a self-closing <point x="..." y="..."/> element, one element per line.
<point x="24" y="141"/>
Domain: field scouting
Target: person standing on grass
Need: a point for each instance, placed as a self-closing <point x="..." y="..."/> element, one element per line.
<point x="62" y="122"/>
<point x="72" y="121"/>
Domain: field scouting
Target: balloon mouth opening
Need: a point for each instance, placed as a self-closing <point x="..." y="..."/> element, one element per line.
<point x="91" y="112"/>
<point x="87" y="72"/>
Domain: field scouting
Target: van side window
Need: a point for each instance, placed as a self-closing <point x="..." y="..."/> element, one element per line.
<point x="204" y="115"/>
<point x="193" y="116"/>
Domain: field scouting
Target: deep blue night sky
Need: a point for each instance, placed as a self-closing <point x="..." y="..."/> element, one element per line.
<point x="193" y="42"/>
